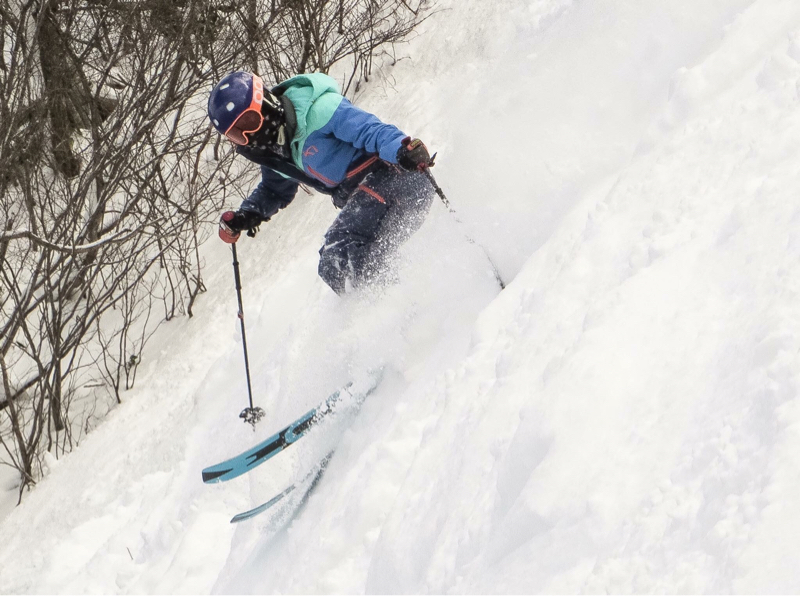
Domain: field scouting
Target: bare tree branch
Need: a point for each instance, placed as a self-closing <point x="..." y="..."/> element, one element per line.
<point x="119" y="236"/>
<point x="111" y="176"/>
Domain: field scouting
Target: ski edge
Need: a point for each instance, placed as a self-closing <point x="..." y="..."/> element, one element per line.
<point x="261" y="508"/>
<point x="314" y="475"/>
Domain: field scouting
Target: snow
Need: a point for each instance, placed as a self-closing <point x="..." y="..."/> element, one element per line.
<point x="624" y="417"/>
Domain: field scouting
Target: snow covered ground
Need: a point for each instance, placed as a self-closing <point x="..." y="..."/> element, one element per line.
<point x="624" y="417"/>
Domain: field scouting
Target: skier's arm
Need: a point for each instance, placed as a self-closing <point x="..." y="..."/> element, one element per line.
<point x="365" y="131"/>
<point x="273" y="193"/>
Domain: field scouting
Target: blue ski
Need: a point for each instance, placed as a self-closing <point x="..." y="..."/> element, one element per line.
<point x="255" y="456"/>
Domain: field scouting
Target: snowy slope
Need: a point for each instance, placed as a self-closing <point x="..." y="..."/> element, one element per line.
<point x="624" y="417"/>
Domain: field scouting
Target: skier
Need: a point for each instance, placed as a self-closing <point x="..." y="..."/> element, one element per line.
<point x="304" y="131"/>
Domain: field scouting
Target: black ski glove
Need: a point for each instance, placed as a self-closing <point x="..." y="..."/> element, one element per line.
<point x="231" y="224"/>
<point x="413" y="155"/>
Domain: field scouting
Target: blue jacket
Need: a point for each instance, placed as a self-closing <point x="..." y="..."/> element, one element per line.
<point x="333" y="138"/>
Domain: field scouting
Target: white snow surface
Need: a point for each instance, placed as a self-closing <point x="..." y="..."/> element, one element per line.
<point x="623" y="417"/>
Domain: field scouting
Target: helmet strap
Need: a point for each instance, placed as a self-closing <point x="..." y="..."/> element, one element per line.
<point x="272" y="134"/>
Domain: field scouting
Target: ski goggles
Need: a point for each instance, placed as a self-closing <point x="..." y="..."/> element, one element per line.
<point x="251" y="119"/>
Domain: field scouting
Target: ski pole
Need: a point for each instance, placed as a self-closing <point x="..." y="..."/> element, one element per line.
<point x="250" y="415"/>
<point x="452" y="211"/>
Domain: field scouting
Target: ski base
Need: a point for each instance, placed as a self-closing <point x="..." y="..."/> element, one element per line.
<point x="261" y="508"/>
<point x="314" y="477"/>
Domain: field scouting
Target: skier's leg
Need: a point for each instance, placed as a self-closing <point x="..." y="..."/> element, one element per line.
<point x="411" y="194"/>
<point x="348" y="241"/>
<point x="382" y="213"/>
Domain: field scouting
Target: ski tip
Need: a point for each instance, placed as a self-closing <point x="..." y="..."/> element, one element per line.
<point x="214" y="475"/>
<point x="261" y="508"/>
<point x="247" y="514"/>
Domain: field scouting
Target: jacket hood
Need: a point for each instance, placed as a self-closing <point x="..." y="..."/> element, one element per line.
<point x="318" y="83"/>
<point x="315" y="97"/>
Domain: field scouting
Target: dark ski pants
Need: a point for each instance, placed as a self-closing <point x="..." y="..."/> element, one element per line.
<point x="383" y="211"/>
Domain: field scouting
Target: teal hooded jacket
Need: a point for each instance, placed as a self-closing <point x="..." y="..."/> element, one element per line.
<point x="333" y="138"/>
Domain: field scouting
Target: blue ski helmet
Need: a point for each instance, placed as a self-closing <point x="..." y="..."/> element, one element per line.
<point x="233" y="95"/>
